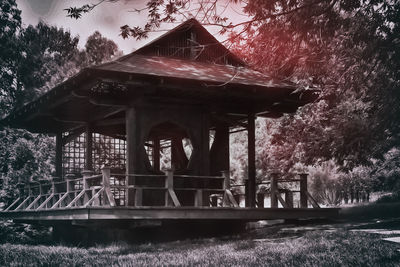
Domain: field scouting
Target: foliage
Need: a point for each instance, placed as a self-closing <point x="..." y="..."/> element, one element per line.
<point x="387" y="171"/>
<point x="264" y="247"/>
<point x="46" y="49"/>
<point x="20" y="233"/>
<point x="10" y="24"/>
<point x="24" y="157"/>
<point x="99" y="49"/>
<point x="33" y="60"/>
<point x="395" y="197"/>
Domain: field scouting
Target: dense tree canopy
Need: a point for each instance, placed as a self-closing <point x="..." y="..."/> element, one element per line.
<point x="347" y="140"/>
<point x="33" y="60"/>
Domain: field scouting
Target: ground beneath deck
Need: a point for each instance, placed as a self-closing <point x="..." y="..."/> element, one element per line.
<point x="169" y="213"/>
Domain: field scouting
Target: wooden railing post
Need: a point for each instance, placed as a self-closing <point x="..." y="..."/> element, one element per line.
<point x="227" y="180"/>
<point x="228" y="198"/>
<point x="86" y="186"/>
<point x="106" y="173"/>
<point x="303" y="190"/>
<point x="70" y="182"/>
<point x="274" y="190"/>
<point x="289" y="198"/>
<point x="29" y="188"/>
<point x="260" y="199"/>
<point x="169" y="184"/>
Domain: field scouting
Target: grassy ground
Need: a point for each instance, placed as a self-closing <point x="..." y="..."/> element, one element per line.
<point x="317" y="244"/>
<point x="261" y="247"/>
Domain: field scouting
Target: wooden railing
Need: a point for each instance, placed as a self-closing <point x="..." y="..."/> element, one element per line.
<point x="111" y="190"/>
<point x="137" y="190"/>
<point x="279" y="195"/>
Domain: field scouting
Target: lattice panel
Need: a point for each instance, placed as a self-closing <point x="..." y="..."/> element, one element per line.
<point x="74" y="155"/>
<point x="105" y="151"/>
<point x="108" y="151"/>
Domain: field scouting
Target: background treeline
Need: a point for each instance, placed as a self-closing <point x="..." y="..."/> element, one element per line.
<point x="33" y="59"/>
<point x="348" y="140"/>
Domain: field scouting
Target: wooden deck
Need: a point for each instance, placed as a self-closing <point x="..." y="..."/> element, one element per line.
<point x="169" y="213"/>
<point x="110" y="198"/>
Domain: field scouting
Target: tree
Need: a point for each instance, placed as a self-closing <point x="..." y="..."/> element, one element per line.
<point x="10" y="24"/>
<point x="33" y="60"/>
<point x="46" y="49"/>
<point x="99" y="49"/>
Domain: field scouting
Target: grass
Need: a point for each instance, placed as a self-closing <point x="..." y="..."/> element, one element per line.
<point x="261" y="247"/>
<point x="279" y="245"/>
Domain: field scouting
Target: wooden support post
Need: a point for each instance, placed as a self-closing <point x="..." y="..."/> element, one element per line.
<point x="59" y="152"/>
<point x="205" y="144"/>
<point x="156" y="154"/>
<point x="133" y="152"/>
<point x="251" y="159"/>
<point x="289" y="198"/>
<point x="303" y="190"/>
<point x="106" y="173"/>
<point x="274" y="190"/>
<point x="89" y="148"/>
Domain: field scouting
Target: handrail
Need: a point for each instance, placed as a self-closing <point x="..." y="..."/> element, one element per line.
<point x="137" y="175"/>
<point x="199" y="177"/>
<point x="92" y="177"/>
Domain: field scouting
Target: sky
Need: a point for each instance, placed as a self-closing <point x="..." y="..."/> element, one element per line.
<point x="105" y="18"/>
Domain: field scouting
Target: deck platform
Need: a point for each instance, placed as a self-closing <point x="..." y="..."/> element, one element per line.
<point x="169" y="213"/>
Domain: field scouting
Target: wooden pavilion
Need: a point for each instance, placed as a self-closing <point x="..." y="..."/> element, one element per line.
<point x="177" y="88"/>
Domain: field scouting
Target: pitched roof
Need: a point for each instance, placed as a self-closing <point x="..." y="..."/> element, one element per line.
<point x="190" y="40"/>
<point x="191" y="69"/>
<point x="187" y="65"/>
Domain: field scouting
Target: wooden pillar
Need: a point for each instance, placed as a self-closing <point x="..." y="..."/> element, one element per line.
<point x="219" y="152"/>
<point x="274" y="190"/>
<point x="303" y="190"/>
<point x="131" y="153"/>
<point x="89" y="148"/>
<point x="251" y="159"/>
<point x="59" y="148"/>
<point x="156" y="154"/>
<point x="205" y="145"/>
